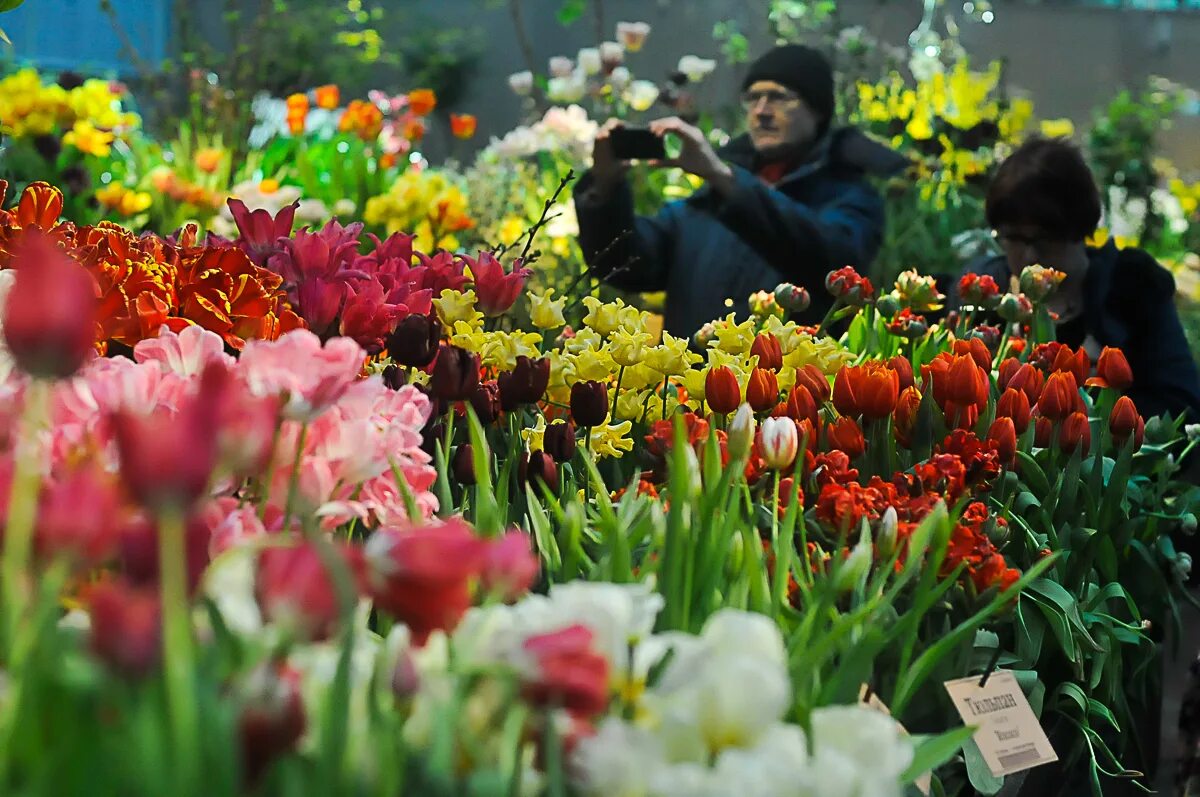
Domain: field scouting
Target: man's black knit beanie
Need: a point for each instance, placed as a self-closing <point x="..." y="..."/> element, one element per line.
<point x="803" y="70"/>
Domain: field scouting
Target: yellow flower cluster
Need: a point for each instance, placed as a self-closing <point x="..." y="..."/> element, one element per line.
<point x="1188" y="195"/>
<point x="125" y="201"/>
<point x="89" y="112"/>
<point x="425" y="203"/>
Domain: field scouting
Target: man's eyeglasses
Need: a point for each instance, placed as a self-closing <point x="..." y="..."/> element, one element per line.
<point x="774" y="99"/>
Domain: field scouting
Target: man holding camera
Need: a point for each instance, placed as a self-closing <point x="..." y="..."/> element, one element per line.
<point x="786" y="202"/>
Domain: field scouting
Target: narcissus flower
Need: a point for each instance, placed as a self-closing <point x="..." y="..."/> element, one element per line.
<point x="869" y="390"/>
<point x="611" y="440"/>
<point x="1112" y="370"/>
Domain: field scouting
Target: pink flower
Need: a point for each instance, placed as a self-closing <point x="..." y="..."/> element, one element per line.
<point x="296" y="591"/>
<point x="308" y="376"/>
<point x="125" y="628"/>
<point x="510" y="565"/>
<point x="233" y="525"/>
<point x="496" y="290"/>
<point x="442" y="271"/>
<point x="567" y="672"/>
<point x="137" y="549"/>
<point x="318" y="255"/>
<point x="77" y="516"/>
<point x="186" y="353"/>
<point x="260" y="232"/>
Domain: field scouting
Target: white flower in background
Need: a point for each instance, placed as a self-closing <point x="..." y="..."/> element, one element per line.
<point x="1127" y="214"/>
<point x="521" y="83"/>
<point x="632" y="35"/>
<point x="772" y="768"/>
<point x="611" y="54"/>
<point x="561" y="66"/>
<point x="621" y="760"/>
<point x="570" y="88"/>
<point x="344" y="207"/>
<point x="862" y="750"/>
<point x="563" y="222"/>
<point x="620" y="77"/>
<point x="229" y="583"/>
<point x="641" y="94"/>
<point x="589" y="60"/>
<point x="312" y="210"/>
<point x="696" y="68"/>
<point x="520" y="142"/>
<point x="270" y="197"/>
<point x="1169" y="208"/>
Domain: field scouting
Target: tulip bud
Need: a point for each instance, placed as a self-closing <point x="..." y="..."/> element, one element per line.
<point x="455" y="373"/>
<point x="855" y="567"/>
<point x="559" y="440"/>
<point x="1124" y="421"/>
<point x="463" y="464"/>
<point x="1112" y="370"/>
<point x="1182" y="566"/>
<point x="766" y="346"/>
<point x="485" y="400"/>
<point x="1042" y="429"/>
<point x="1038" y="282"/>
<point x="524" y="384"/>
<point x="792" y="297"/>
<point x="762" y="390"/>
<point x="1075" y="433"/>
<point x="295" y="590"/>
<point x="406" y="679"/>
<point x="886" y="539"/>
<point x="741" y="433"/>
<point x="721" y="390"/>
<point x="779" y="441"/>
<point x="846" y="436"/>
<point x="1015" y="308"/>
<point x="869" y="390"/>
<point x="904" y="419"/>
<point x="1004" y="434"/>
<point x="395" y="377"/>
<point x="800" y="405"/>
<point x="904" y="370"/>
<point x="415" y="340"/>
<point x="538" y="466"/>
<point x="1005" y="372"/>
<point x="589" y="403"/>
<point x="125" y="626"/>
<point x="1014" y="404"/>
<point x="849" y="286"/>
<point x="1159" y="431"/>
<point x="1028" y="380"/>
<point x="50" y="314"/>
<point x="888" y="305"/>
<point x="979" y="291"/>
<point x="815" y="380"/>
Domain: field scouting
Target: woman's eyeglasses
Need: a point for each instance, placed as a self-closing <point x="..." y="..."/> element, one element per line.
<point x="774" y="99"/>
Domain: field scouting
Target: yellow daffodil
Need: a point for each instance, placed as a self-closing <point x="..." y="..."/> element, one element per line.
<point x="454" y="306"/>
<point x="1058" y="128"/>
<point x="631" y="404"/>
<point x="826" y="354"/>
<point x="583" y="339"/>
<point x="693" y="383"/>
<point x="501" y="349"/>
<point x="732" y="337"/>
<point x="511" y="229"/>
<point x="544" y="312"/>
<point x="610" y="440"/>
<point x="87" y="138"/>
<point x="533" y="437"/>
<point x="607" y="317"/>
<point x="641" y="376"/>
<point x="672" y="357"/>
<point x="628" y="348"/>
<point x="594" y="365"/>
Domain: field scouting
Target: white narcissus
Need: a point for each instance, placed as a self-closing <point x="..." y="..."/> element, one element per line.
<point x="620" y="760"/>
<point x="641" y="94"/>
<point x="589" y="60"/>
<point x="696" y="68"/>
<point x="521" y="83"/>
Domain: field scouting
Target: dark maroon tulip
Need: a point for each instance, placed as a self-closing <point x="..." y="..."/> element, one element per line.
<point x="272" y="718"/>
<point x="539" y="466"/>
<point x="589" y="403"/>
<point x="524" y="384"/>
<point x="485" y="400"/>
<point x="559" y="441"/>
<point x="455" y="373"/>
<point x="415" y="340"/>
<point x="463" y="464"/>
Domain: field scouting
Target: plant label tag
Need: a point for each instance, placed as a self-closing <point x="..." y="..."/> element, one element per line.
<point x="871" y="700"/>
<point x="1009" y="734"/>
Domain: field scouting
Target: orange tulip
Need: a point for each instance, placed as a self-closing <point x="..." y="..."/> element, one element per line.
<point x="1006" y="371"/>
<point x="422" y="101"/>
<point x="1125" y="421"/>
<point x="1059" y="396"/>
<point x="1112" y="370"/>
<point x="903" y="368"/>
<point x="1042" y="429"/>
<point x="869" y="390"/>
<point x="845" y="435"/>
<point x="1077" y="363"/>
<point x="762" y="391"/>
<point x="1028" y="380"/>
<point x="1014" y="404"/>
<point x="327" y="96"/>
<point x="1075" y="434"/>
<point x="1004" y="434"/>
<point x="800" y="405"/>
<point x="815" y="380"/>
<point x="770" y="355"/>
<point x="978" y="351"/>
<point x="721" y="390"/>
<point x="462" y="125"/>
<point x="904" y="419"/>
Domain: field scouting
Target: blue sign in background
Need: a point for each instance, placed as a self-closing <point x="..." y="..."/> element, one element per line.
<point x="77" y="34"/>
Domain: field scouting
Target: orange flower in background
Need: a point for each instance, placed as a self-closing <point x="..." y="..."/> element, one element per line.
<point x="422" y="101"/>
<point x="208" y="159"/>
<point x="414" y="130"/>
<point x="327" y="96"/>
<point x="762" y="390"/>
<point x="462" y="125"/>
<point x="387" y="160"/>
<point x="1112" y="370"/>
<point x="869" y="390"/>
<point x="297" y="112"/>
<point x="362" y="118"/>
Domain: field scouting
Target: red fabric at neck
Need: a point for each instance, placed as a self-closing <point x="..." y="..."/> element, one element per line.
<point x="774" y="171"/>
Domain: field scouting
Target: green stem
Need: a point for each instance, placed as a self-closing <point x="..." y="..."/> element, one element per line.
<point x="616" y="396"/>
<point x="266" y="496"/>
<point x="294" y="478"/>
<point x="22" y="511"/>
<point x="178" y="660"/>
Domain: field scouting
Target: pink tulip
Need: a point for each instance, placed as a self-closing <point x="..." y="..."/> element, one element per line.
<point x="186" y="353"/>
<point x="309" y="377"/>
<point x="510" y="565"/>
<point x="296" y="591"/>
<point x="568" y="672"/>
<point x="260" y="232"/>
<point x="125" y="626"/>
<point x="496" y="290"/>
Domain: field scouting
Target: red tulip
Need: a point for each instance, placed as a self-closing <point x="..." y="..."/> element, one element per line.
<point x="766" y="346"/>
<point x="510" y="566"/>
<point x="978" y="291"/>
<point x="800" y="405"/>
<point x="462" y="464"/>
<point x="495" y="289"/>
<point x="455" y="373"/>
<point x="978" y="351"/>
<point x="295" y="590"/>
<point x="1004" y="374"/>
<point x="485" y="400"/>
<point x="1077" y="363"/>
<point x="815" y="380"/>
<point x="1004" y="434"/>
<point x="721" y="390"/>
<point x="414" y="342"/>
<point x="589" y="403"/>
<point x="526" y="383"/>
<point x="1029" y="380"/>
<point x="1112" y="370"/>
<point x="869" y="390"/>
<point x="1075" y="434"/>
<point x="137" y="550"/>
<point x="1125" y="421"/>
<point x="166" y="460"/>
<point x="50" y="314"/>
<point x="126" y="627"/>
<point x="904" y="370"/>
<point x="762" y="390"/>
<point x="559" y="441"/>
<point x="462" y="125"/>
<point x="849" y="286"/>
<point x="904" y="419"/>
<point x="567" y="673"/>
<point x="1043" y="428"/>
<point x="77" y="517"/>
<point x="845" y="435"/>
<point x="966" y="382"/>
<point x="1059" y="396"/>
<point x="272" y="718"/>
<point x="422" y="575"/>
<point x="538" y="466"/>
<point x="1014" y="404"/>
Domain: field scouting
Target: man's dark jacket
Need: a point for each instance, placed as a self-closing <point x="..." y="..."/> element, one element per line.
<point x="706" y="249"/>
<point x="1129" y="303"/>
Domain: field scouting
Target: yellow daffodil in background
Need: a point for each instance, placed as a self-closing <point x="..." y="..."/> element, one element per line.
<point x="672" y="356"/>
<point x="545" y="312"/>
<point x="511" y="229"/>
<point x="628" y="348"/>
<point x="426" y="203"/>
<point x="1188" y="195"/>
<point x="631" y="404"/>
<point x="611" y="440"/>
<point x="826" y="354"/>
<point x="30" y="108"/>
<point x="693" y="383"/>
<point x="607" y="317"/>
<point x="453" y="307"/>
<point x="583" y="340"/>
<point x="88" y="139"/>
<point x="1058" y="128"/>
<point x="124" y="201"/>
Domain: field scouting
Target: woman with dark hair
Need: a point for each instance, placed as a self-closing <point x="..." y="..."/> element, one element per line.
<point x="1043" y="204"/>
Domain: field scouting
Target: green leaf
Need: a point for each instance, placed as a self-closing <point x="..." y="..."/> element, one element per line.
<point x="570" y="11"/>
<point x="1032" y="474"/>
<point x="977" y="770"/>
<point x="932" y="751"/>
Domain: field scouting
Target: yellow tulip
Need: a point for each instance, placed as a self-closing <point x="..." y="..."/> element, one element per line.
<point x="544" y="312"/>
<point x="672" y="357"/>
<point x="628" y="348"/>
<point x="454" y="306"/>
<point x="610" y="440"/>
<point x="594" y="365"/>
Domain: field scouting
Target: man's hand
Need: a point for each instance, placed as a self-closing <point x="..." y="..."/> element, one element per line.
<point x="607" y="170"/>
<point x="696" y="155"/>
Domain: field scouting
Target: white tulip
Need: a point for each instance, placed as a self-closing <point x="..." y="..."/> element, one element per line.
<point x="641" y="94"/>
<point x="589" y="60"/>
<point x="611" y="54"/>
<point x="632" y="35"/>
<point x="780" y="441"/>
<point x="696" y="68"/>
<point x="521" y="83"/>
<point x="561" y="66"/>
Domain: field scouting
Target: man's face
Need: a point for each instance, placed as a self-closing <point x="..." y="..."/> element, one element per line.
<point x="1026" y="245"/>
<point x="778" y="119"/>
